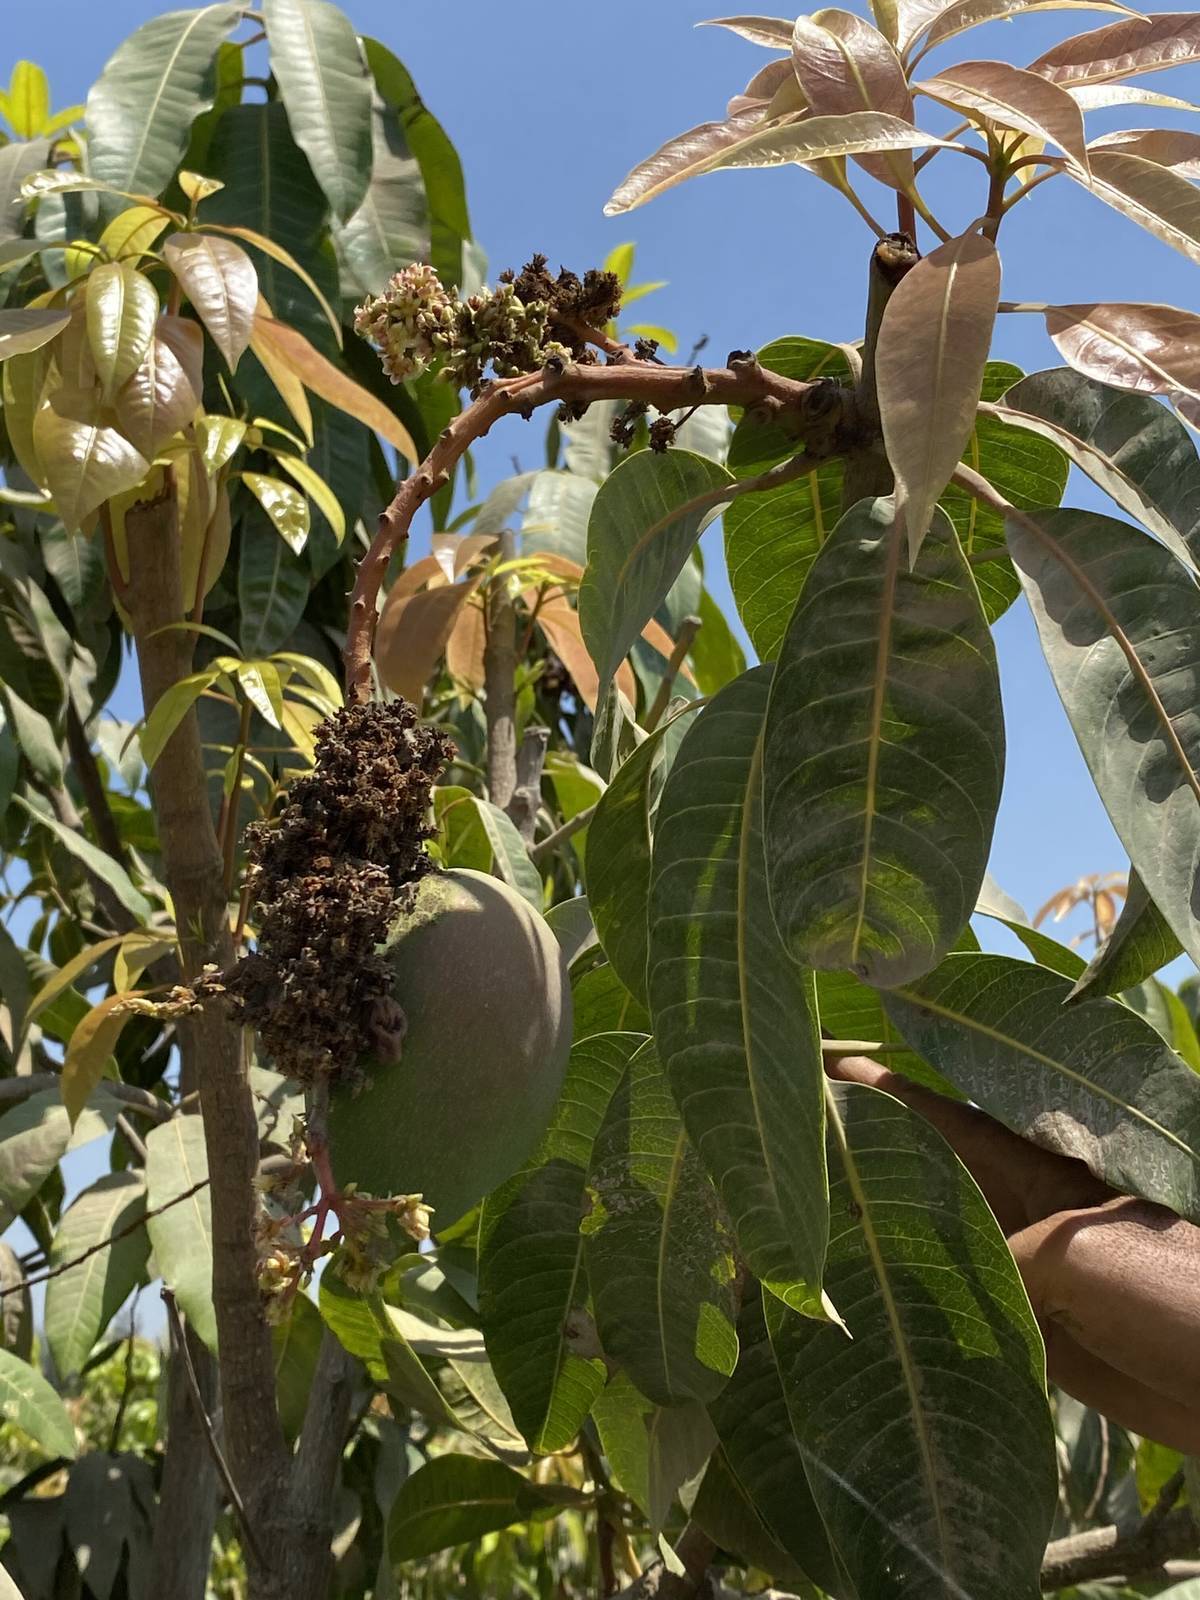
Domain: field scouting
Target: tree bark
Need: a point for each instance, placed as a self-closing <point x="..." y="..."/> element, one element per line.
<point x="499" y="674"/>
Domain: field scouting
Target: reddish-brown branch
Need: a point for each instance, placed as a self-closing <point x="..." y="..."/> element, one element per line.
<point x="804" y="407"/>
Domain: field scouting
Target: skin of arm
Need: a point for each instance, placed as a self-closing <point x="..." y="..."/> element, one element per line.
<point x="1114" y="1282"/>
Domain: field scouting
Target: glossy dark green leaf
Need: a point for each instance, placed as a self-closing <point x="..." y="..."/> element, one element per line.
<point x="141" y="108"/>
<point x="602" y="1004"/>
<point x="644" y="525"/>
<point x="1029" y="472"/>
<point x="324" y="86"/>
<point x="847" y="1008"/>
<point x="883" y="753"/>
<point x="1092" y="1079"/>
<point x="717" y="657"/>
<point x="772" y="539"/>
<point x="455" y="1499"/>
<point x="923" y="1491"/>
<point x="1119" y="623"/>
<point x="273" y="586"/>
<point x="724" y="1512"/>
<point x="532" y="1284"/>
<point x="1136" y="450"/>
<point x="390" y="228"/>
<point x="762" y="1447"/>
<point x="733" y="1014"/>
<point x="658" y="1253"/>
<point x="1140" y="943"/>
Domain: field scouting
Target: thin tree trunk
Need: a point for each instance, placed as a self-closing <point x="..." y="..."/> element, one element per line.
<point x="187" y="1498"/>
<point x="499" y="673"/>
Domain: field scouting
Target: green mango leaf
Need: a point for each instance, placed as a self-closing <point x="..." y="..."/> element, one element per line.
<point x="1119" y="625"/>
<point x="181" y="1236"/>
<point x="457" y="1499"/>
<point x="286" y="508"/>
<point x="273" y="587"/>
<point x="461" y="837"/>
<point x="1029" y="471"/>
<point x="35" y="1135"/>
<point x="653" y="1452"/>
<point x="219" y="279"/>
<point x="1091" y="1080"/>
<point x="971" y="1497"/>
<point x="317" y="491"/>
<point x="297" y="1346"/>
<point x="29" y="328"/>
<point x="85" y="463"/>
<point x="27" y="1400"/>
<point x="772" y="538"/>
<point x="761" y="1446"/>
<point x="122" y="308"/>
<point x="645" y="521"/>
<point x="510" y="859"/>
<point x="1140" y="943"/>
<point x="390" y="228"/>
<point x="602" y="1004"/>
<point x="883" y="753"/>
<point x="618" y="863"/>
<point x="323" y="84"/>
<point x="97" y="861"/>
<point x="82" y="1301"/>
<point x="1132" y="446"/>
<point x="733" y="1014"/>
<point x="34" y="737"/>
<point x="27" y="102"/>
<point x="543" y="1347"/>
<point x="716" y="656"/>
<point x="723" y="1511"/>
<point x="141" y="108"/>
<point x="441" y="169"/>
<point x="658" y="1254"/>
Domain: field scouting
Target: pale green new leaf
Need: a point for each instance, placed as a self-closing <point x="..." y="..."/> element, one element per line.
<point x="141" y="109"/>
<point x="122" y="308"/>
<point x="659" y="1258"/>
<point x="97" y="861"/>
<point x="970" y="1495"/>
<point x="883" y="753"/>
<point x="1091" y="1080"/>
<point x="81" y="1302"/>
<point x="286" y="509"/>
<point x="27" y="1400"/>
<point x="510" y="858"/>
<point x="181" y="1236"/>
<point x="318" y="491"/>
<point x="323" y="83"/>
<point x="532" y="1283"/>
<point x="733" y="1014"/>
<point x="86" y="463"/>
<point x="1119" y="623"/>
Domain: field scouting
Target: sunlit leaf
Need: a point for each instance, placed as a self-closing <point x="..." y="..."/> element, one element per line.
<point x="1140" y="943"/>
<point x="27" y="1400"/>
<point x="219" y="279"/>
<point x="27" y="102"/>
<point x="1124" y="49"/>
<point x="162" y="395"/>
<point x="773" y="32"/>
<point x="91" y="1044"/>
<point x="23" y="329"/>
<point x="286" y="509"/>
<point x="81" y="1302"/>
<point x="929" y="366"/>
<point x="181" y="1235"/>
<point x="317" y="490"/>
<point x="1014" y="98"/>
<point x="844" y="65"/>
<point x="1091" y="1080"/>
<point x="122" y="308"/>
<point x="1157" y="198"/>
<point x="132" y="232"/>
<point x="412" y="634"/>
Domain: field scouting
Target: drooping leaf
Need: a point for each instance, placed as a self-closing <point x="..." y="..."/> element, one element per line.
<point x="141" y="108"/>
<point x="81" y="1302"/>
<point x="27" y="328"/>
<point x="1028" y="470"/>
<point x="455" y="1499"/>
<point x="97" y="861"/>
<point x="1140" y="943"/>
<point x="658" y="1255"/>
<point x="883" y="753"/>
<point x="122" y="308"/>
<point x="510" y="858"/>
<point x="845" y="65"/>
<point x="762" y="1448"/>
<point x="746" y="142"/>
<point x="602" y="1004"/>
<point x="733" y="1014"/>
<point x="929" y="366"/>
<point x="1123" y="49"/>
<point x="182" y="1236"/>
<point x="1166" y="147"/>
<point x="1119" y="624"/>
<point x="318" y="492"/>
<point x="1157" y="198"/>
<point x="162" y="395"/>
<point x="1091" y="1080"/>
<point x="532" y="1283"/>
<point x="772" y="538"/>
<point x="390" y="228"/>
<point x="90" y="1046"/>
<point x="1129" y="445"/>
<point x="132" y="232"/>
<point x="998" y="92"/>
<point x="413" y="632"/>
<point x="969" y="1504"/>
<point x="36" y="1134"/>
<point x="559" y="621"/>
<point x="323" y="84"/>
<point x="644" y="525"/>
<point x="286" y="509"/>
<point x="724" y="1511"/>
<point x="27" y="1400"/>
<point x="1149" y="349"/>
<point x="219" y="279"/>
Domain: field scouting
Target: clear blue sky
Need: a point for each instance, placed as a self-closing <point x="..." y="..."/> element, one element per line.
<point x="551" y="104"/>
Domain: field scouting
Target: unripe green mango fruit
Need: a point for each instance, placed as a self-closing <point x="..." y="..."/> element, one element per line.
<point x="484" y="987"/>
